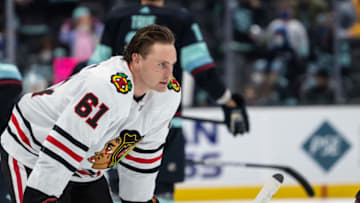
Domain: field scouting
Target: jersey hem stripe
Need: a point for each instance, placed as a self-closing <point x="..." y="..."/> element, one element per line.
<point x="58" y="158"/>
<point x="83" y="172"/>
<point x="70" y="138"/>
<point x="76" y="175"/>
<point x="18" y="179"/>
<point x="88" y="173"/>
<point x="18" y="141"/>
<point x="152" y="170"/>
<point x="51" y="199"/>
<point x="19" y="130"/>
<point x="143" y="161"/>
<point x="28" y="126"/>
<point x="147" y="151"/>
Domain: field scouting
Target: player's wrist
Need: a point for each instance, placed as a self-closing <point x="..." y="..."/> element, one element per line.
<point x="236" y="117"/>
<point x="225" y="98"/>
<point x="231" y="104"/>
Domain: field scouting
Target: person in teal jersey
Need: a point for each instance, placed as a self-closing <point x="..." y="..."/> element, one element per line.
<point x="10" y="91"/>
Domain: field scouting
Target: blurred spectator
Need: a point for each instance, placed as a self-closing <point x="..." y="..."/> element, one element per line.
<point x="285" y="59"/>
<point x="33" y="34"/>
<point x="81" y="33"/>
<point x="45" y="52"/>
<point x="354" y="31"/>
<point x="319" y="90"/>
<point x="41" y="51"/>
<point x="31" y="16"/>
<point x="288" y="34"/>
<point x="322" y="46"/>
<point x="40" y="58"/>
<point x="322" y="50"/>
<point x="249" y="17"/>
<point x="308" y="10"/>
<point x="34" y="80"/>
<point x="346" y="14"/>
<point x="267" y="87"/>
<point x="278" y="73"/>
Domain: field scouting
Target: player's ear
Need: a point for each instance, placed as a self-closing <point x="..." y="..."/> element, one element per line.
<point x="135" y="58"/>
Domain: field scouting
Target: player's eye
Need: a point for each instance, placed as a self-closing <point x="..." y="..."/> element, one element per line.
<point x="162" y="65"/>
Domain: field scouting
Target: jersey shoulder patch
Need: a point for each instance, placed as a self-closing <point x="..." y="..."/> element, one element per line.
<point x="174" y="85"/>
<point x="121" y="82"/>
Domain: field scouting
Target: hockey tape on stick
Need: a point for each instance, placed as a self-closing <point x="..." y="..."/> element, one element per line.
<point x="202" y="119"/>
<point x="290" y="171"/>
<point x="269" y="189"/>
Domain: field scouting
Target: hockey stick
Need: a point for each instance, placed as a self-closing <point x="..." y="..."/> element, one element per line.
<point x="303" y="182"/>
<point x="270" y="187"/>
<point x="201" y="119"/>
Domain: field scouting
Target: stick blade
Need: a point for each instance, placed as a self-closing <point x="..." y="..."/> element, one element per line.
<point x="269" y="189"/>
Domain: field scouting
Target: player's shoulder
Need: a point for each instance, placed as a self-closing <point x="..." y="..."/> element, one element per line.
<point x="110" y="82"/>
<point x="174" y="87"/>
<point x="115" y="71"/>
<point x="181" y="14"/>
<point x="111" y="77"/>
<point x="9" y="71"/>
<point x="169" y="99"/>
<point x="122" y="11"/>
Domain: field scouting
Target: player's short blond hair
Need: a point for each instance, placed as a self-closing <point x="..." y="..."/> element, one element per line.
<point x="145" y="38"/>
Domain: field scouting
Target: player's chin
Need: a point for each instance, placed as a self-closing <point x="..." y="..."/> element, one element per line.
<point x="161" y="89"/>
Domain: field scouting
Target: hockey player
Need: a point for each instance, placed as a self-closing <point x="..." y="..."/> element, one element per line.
<point x="59" y="141"/>
<point x="10" y="89"/>
<point x="194" y="57"/>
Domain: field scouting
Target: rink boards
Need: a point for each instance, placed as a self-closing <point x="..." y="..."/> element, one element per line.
<point x="321" y="143"/>
<point x="337" y="200"/>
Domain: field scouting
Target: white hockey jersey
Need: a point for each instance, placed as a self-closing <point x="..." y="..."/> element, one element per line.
<point x="77" y="129"/>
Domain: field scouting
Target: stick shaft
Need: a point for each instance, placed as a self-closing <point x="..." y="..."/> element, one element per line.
<point x="202" y="119"/>
<point x="303" y="182"/>
<point x="290" y="171"/>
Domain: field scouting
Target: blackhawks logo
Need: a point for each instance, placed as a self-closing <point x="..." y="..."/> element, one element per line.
<point x="174" y="85"/>
<point x="122" y="84"/>
<point x="115" y="150"/>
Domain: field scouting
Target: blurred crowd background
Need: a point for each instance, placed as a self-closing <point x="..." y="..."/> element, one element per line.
<point x="274" y="52"/>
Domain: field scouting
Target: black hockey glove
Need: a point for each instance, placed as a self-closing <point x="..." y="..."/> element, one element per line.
<point x="153" y="200"/>
<point x="236" y="119"/>
<point x="357" y="197"/>
<point x="32" y="195"/>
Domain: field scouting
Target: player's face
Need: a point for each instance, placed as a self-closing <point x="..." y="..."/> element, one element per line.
<point x="157" y="66"/>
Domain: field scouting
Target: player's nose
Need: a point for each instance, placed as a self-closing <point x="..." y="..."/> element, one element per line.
<point x="169" y="72"/>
